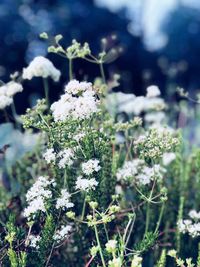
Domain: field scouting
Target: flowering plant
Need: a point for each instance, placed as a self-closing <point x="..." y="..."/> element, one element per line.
<point x="94" y="191"/>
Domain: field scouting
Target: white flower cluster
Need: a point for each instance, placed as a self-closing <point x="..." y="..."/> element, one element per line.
<point x="190" y="226"/>
<point x="137" y="171"/>
<point x="157" y="141"/>
<point x="64" y="200"/>
<point x="41" y="67"/>
<point x="129" y="103"/>
<point x="7" y="92"/>
<point x="111" y="245"/>
<point x="168" y="158"/>
<point x="84" y="184"/>
<point x="116" y="262"/>
<point x="62" y="233"/>
<point x="137" y="261"/>
<point x="37" y="195"/>
<point x="80" y="106"/>
<point x="34" y="240"/>
<point x="65" y="157"/>
<point x="49" y="155"/>
<point x="90" y="166"/>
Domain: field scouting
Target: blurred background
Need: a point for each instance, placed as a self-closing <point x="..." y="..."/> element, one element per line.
<point x="158" y="41"/>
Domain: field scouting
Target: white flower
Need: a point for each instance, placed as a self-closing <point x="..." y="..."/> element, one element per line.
<point x="5" y="101"/>
<point x="39" y="189"/>
<point x="63" y="201"/>
<point x="34" y="206"/>
<point x="194" y="215"/>
<point x="153" y="91"/>
<point x="12" y="88"/>
<point x="129" y="169"/>
<point x="90" y="166"/>
<point x="86" y="184"/>
<point x="66" y="158"/>
<point x="74" y="87"/>
<point x="168" y="158"/>
<point x="76" y="107"/>
<point x="37" y="195"/>
<point x="111" y="245"/>
<point x="116" y="262"/>
<point x="79" y="136"/>
<point x="41" y="67"/>
<point x="136" y="261"/>
<point x="49" y="155"/>
<point x="34" y="240"/>
<point x="62" y="233"/>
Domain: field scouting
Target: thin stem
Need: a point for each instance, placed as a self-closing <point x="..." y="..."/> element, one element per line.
<point x="83" y="210"/>
<point x="15" y="116"/>
<point x="160" y="217"/>
<point x="102" y="72"/>
<point x="70" y="69"/>
<point x="46" y="90"/>
<point x="99" y="245"/>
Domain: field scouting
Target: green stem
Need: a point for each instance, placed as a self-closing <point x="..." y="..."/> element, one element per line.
<point x="15" y="116"/>
<point x="160" y="217"/>
<point x="46" y="90"/>
<point x="83" y="210"/>
<point x="102" y="72"/>
<point x="99" y="245"/>
<point x="70" y="69"/>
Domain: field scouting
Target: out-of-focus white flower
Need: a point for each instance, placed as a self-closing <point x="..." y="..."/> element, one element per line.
<point x="90" y="166"/>
<point x="111" y="246"/>
<point x="116" y="262"/>
<point x="12" y="88"/>
<point x="155" y="117"/>
<point x="64" y="200"/>
<point x="136" y="261"/>
<point x="168" y="158"/>
<point x="86" y="184"/>
<point x="50" y="155"/>
<point x="5" y="101"/>
<point x="34" y="240"/>
<point x="194" y="215"/>
<point x="189" y="226"/>
<point x="62" y="233"/>
<point x="41" y="67"/>
<point x="153" y="91"/>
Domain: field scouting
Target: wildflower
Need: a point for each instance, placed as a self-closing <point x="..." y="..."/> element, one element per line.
<point x="153" y="91"/>
<point x="63" y="200"/>
<point x="116" y="262"/>
<point x="37" y="195"/>
<point x="194" y="215"/>
<point x="76" y="107"/>
<point x="75" y="87"/>
<point x="66" y="158"/>
<point x="49" y="155"/>
<point x="86" y="184"/>
<point x="5" y="101"/>
<point x="136" y="261"/>
<point x="137" y="170"/>
<point x="62" y="233"/>
<point x="12" y="88"/>
<point x="168" y="158"/>
<point x="90" y="166"/>
<point x="111" y="246"/>
<point x="34" y="240"/>
<point x="41" y="67"/>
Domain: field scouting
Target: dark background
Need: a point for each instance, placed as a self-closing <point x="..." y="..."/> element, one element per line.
<point x="177" y="63"/>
